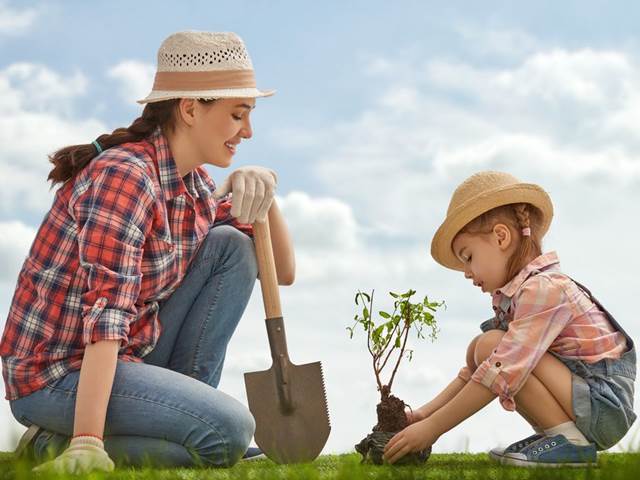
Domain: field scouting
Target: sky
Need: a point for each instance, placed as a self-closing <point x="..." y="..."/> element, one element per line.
<point x="381" y="110"/>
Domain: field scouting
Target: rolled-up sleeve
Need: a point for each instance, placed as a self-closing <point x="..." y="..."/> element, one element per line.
<point x="113" y="211"/>
<point x="541" y="311"/>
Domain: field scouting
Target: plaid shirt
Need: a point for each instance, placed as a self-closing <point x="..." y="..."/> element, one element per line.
<point x="116" y="241"/>
<point x="542" y="309"/>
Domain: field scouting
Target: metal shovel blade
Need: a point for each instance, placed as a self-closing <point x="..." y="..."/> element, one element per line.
<point x="290" y="408"/>
<point x="288" y="401"/>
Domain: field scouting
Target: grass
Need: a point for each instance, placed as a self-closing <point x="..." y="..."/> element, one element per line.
<point x="611" y="466"/>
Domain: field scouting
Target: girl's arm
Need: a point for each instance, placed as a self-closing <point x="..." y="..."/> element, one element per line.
<point x="439" y="401"/>
<point x="472" y="397"/>
<point x="420" y="435"/>
<point x="283" y="254"/>
<point x="94" y="387"/>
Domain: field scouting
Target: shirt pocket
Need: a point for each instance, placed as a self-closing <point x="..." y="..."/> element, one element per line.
<point x="158" y="266"/>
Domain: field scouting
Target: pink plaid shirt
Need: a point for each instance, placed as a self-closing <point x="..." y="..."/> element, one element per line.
<point x="545" y="311"/>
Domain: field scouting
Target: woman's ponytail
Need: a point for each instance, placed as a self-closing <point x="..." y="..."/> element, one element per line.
<point x="68" y="161"/>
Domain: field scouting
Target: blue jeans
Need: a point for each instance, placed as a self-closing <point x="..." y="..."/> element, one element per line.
<point x="167" y="410"/>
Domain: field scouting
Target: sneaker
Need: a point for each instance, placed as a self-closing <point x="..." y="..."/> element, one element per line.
<point x="253" y="453"/>
<point x="498" y="453"/>
<point x="25" y="445"/>
<point x="554" y="451"/>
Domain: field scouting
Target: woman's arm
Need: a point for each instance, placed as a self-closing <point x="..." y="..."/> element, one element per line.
<point x="283" y="253"/>
<point x="94" y="387"/>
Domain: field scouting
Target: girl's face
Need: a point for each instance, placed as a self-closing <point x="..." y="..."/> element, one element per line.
<point x="485" y="256"/>
<point x="219" y="127"/>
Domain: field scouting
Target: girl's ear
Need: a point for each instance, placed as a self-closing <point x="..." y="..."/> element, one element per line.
<point x="502" y="235"/>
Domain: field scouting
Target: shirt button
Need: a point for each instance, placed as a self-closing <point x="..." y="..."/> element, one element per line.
<point x="498" y="364"/>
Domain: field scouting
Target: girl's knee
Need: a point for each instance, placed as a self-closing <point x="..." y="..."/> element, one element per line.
<point x="486" y="344"/>
<point x="471" y="349"/>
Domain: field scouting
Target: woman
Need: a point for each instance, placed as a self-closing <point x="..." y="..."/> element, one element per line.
<point x="139" y="274"/>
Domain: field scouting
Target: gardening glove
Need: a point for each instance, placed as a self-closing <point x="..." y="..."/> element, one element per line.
<point x="84" y="454"/>
<point x="253" y="189"/>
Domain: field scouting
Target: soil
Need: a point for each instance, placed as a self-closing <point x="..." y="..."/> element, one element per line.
<point x="391" y="419"/>
<point x="391" y="416"/>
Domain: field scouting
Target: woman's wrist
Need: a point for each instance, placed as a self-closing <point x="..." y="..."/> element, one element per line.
<point x="84" y="440"/>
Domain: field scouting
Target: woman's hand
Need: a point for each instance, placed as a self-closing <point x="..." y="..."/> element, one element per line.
<point x="413" y="438"/>
<point x="84" y="455"/>
<point x="253" y="189"/>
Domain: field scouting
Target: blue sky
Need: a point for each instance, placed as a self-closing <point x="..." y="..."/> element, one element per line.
<point x="382" y="109"/>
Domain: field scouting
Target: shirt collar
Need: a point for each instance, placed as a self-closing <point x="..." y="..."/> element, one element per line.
<point x="546" y="261"/>
<point x="170" y="181"/>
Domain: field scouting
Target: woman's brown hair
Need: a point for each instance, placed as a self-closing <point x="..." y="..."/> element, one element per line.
<point x="516" y="216"/>
<point x="68" y="161"/>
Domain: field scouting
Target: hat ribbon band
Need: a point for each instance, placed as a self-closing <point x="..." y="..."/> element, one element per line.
<point x="212" y="80"/>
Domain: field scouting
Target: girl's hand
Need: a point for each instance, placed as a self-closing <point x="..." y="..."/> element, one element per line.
<point x="416" y="415"/>
<point x="84" y="455"/>
<point x="414" y="438"/>
<point x="253" y="189"/>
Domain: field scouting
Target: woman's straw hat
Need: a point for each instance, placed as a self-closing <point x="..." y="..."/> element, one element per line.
<point x="478" y="194"/>
<point x="204" y="65"/>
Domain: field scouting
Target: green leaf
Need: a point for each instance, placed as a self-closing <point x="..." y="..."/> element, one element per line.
<point x="384" y="314"/>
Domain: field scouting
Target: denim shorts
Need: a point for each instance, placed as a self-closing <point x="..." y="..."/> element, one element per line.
<point x="603" y="397"/>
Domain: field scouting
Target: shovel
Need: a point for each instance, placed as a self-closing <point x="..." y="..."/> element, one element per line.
<point x="288" y="401"/>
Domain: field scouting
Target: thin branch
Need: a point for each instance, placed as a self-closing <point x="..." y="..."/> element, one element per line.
<point x="404" y="343"/>
<point x="391" y="350"/>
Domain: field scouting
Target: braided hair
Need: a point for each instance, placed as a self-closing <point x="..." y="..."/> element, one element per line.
<point x="517" y="217"/>
<point x="68" y="161"/>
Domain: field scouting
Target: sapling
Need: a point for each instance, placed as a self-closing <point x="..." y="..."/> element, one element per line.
<point x="387" y="342"/>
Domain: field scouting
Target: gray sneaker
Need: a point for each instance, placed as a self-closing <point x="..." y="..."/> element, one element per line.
<point x="554" y="451"/>
<point x="498" y="453"/>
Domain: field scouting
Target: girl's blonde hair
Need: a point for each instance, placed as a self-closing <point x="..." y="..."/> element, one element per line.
<point x="515" y="216"/>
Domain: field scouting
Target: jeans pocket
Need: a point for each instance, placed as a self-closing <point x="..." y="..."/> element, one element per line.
<point x="612" y="417"/>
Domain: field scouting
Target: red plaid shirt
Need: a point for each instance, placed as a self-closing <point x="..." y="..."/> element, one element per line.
<point x="546" y="311"/>
<point x="116" y="240"/>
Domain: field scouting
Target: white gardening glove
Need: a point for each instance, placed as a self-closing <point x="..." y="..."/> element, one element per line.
<point x="253" y="189"/>
<point x="84" y="455"/>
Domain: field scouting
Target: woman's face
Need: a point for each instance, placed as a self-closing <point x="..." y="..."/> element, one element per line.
<point x="485" y="256"/>
<point x="219" y="127"/>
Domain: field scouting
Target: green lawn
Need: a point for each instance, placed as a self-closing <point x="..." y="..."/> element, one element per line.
<point x="440" y="466"/>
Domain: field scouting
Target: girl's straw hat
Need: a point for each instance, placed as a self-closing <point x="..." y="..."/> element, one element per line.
<point x="478" y="194"/>
<point x="204" y="65"/>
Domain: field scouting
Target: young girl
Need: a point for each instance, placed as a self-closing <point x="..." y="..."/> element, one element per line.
<point x="552" y="352"/>
<point x="139" y="274"/>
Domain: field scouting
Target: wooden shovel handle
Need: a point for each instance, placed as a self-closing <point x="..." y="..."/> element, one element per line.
<point x="267" y="269"/>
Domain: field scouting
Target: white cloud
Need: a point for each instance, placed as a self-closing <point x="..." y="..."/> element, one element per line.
<point x="36" y="118"/>
<point x="135" y="78"/>
<point x="15" y="240"/>
<point x="14" y="21"/>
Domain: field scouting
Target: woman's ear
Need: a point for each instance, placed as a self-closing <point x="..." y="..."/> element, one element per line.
<point x="502" y="235"/>
<point x="186" y="110"/>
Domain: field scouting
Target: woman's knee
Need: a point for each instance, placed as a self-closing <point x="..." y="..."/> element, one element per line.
<point x="486" y="344"/>
<point x="238" y="247"/>
<point x="225" y="444"/>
